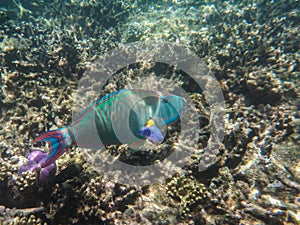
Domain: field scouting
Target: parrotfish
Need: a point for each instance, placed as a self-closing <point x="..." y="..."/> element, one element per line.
<point x="123" y="117"/>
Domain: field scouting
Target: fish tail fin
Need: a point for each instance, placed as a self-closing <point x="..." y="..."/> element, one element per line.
<point x="60" y="140"/>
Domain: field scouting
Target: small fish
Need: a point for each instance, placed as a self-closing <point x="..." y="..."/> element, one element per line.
<point x="124" y="117"/>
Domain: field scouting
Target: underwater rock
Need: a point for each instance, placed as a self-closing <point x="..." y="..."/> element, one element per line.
<point x="70" y="172"/>
<point x="263" y="87"/>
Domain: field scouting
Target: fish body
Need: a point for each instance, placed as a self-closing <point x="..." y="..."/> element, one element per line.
<point x="122" y="117"/>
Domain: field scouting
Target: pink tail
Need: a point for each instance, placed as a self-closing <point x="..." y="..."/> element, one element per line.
<point x="59" y="140"/>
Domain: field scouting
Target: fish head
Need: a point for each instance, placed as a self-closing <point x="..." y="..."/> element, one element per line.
<point x="174" y="101"/>
<point x="151" y="132"/>
<point x="171" y="107"/>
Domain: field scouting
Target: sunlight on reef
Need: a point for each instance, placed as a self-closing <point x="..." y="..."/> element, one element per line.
<point x="252" y="48"/>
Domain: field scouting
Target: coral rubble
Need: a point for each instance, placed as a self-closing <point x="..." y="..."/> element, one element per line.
<point x="252" y="47"/>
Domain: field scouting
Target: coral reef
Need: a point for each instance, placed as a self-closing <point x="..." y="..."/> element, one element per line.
<point x="252" y="47"/>
<point x="12" y="43"/>
<point x="188" y="192"/>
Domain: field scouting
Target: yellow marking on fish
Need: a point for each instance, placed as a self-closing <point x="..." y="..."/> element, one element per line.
<point x="150" y="123"/>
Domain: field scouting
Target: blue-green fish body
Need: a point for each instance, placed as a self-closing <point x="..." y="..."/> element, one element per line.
<point x="122" y="117"/>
